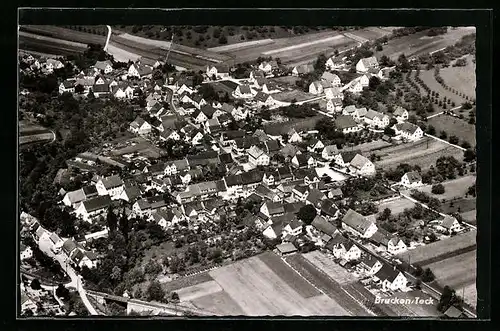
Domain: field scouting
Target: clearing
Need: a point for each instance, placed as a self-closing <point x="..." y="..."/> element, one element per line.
<point x="455" y="127"/>
<point x="458" y="272"/>
<point x="441" y="249"/>
<point x="396" y="206"/>
<point x="424" y="153"/>
<point x="455" y="188"/>
<point x="462" y="79"/>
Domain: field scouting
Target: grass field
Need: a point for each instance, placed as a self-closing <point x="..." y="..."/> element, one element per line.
<point x="428" y="77"/>
<point x="422" y="254"/>
<point x="328" y="285"/>
<point x="470" y="216"/>
<point x="465" y="205"/>
<point x="40" y="44"/>
<point x="276" y="129"/>
<point x="462" y="79"/>
<point x="416" y="153"/>
<point x="396" y="206"/>
<point x="458" y="272"/>
<point x="62" y="34"/>
<point x="296" y="94"/>
<point x="455" y="126"/>
<point x="455" y="188"/>
<point x="328" y="266"/>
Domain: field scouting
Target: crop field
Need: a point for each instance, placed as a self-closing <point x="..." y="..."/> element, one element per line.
<point x="121" y="54"/>
<point x="419" y="43"/>
<point x="416" y="153"/>
<point x="455" y="188"/>
<point x="328" y="285"/>
<point x="276" y="129"/>
<point x="455" y="126"/>
<point x="440" y="250"/>
<point x="371" y="33"/>
<point x="458" y="272"/>
<point x="61" y="33"/>
<point x="241" y="45"/>
<point x="33" y="133"/>
<point x="428" y="77"/>
<point x="463" y="79"/>
<point x="396" y="206"/>
<point x="42" y="44"/>
<point x="328" y="266"/>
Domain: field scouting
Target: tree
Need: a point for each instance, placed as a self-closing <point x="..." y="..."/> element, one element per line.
<point x="385" y="215"/>
<point x="431" y="130"/>
<point x="469" y="155"/>
<point x="111" y="220"/>
<point x="62" y="292"/>
<point x="155" y="292"/>
<point x="374" y="82"/>
<point x="389" y="131"/>
<point x="438" y="189"/>
<point x="307" y="214"/>
<point x="174" y="296"/>
<point x="320" y="63"/>
<point x="223" y="40"/>
<point x="443" y="134"/>
<point x="379" y="48"/>
<point x="448" y="298"/>
<point x="418" y="271"/>
<point x="453" y="140"/>
<point x="79" y="89"/>
<point x="35" y="284"/>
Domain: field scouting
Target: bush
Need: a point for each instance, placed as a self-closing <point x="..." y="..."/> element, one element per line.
<point x="438" y="189"/>
<point x="453" y="140"/>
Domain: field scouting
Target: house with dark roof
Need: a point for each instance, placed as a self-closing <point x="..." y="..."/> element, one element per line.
<point x="358" y="224"/>
<point x="347" y="124"/>
<point x="263" y="99"/>
<point x="371" y="264"/>
<point x="411" y="179"/>
<point x="315" y="198"/>
<point x="130" y="193"/>
<point x="323" y="226"/>
<point x="112" y="186"/>
<point x="449" y="225"/>
<point x="381" y="239"/>
<point x="285" y="249"/>
<point x="244" y="91"/>
<point x="343" y="248"/>
<point x="367" y="63"/>
<point x="303" y="161"/>
<point x="391" y="278"/>
<point x="328" y="208"/>
<point x="140" y="126"/>
<point x="300" y="192"/>
<point x="89" y="209"/>
<point x="344" y="159"/>
<point x="408" y="131"/>
<point x="267" y="193"/>
<point x="272" y="209"/>
<point x="335" y="193"/>
<point x="401" y="114"/>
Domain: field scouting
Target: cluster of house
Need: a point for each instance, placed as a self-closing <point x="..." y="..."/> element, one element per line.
<point x="38" y="301"/>
<point x="46" y="65"/>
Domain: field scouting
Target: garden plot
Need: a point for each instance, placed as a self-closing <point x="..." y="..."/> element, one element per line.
<point x="328" y="266"/>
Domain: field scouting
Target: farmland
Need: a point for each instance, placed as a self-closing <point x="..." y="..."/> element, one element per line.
<point x="419" y="43"/>
<point x="328" y="285"/>
<point x="441" y="249"/>
<point x="428" y="77"/>
<point x="42" y="44"/>
<point x="463" y="79"/>
<point x="33" y="133"/>
<point x="470" y="216"/>
<point x="455" y="188"/>
<point x="458" y="272"/>
<point x="396" y="206"/>
<point x="61" y="33"/>
<point x="424" y="153"/>
<point x="276" y="129"/>
<point x="454" y="126"/>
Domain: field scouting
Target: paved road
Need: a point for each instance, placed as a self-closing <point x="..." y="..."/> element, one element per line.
<point x="75" y="278"/>
<point x="108" y="38"/>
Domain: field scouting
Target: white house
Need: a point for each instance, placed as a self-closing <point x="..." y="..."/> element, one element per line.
<point x="268" y="67"/>
<point x="347" y="124"/>
<point x="364" y="80"/>
<point x="329" y="152"/>
<point x="316" y="87"/>
<point x="332" y="79"/>
<point x="333" y="64"/>
<point x="396" y="246"/>
<point x="362" y="166"/>
<point x="358" y="224"/>
<point x="220" y="72"/>
<point x="302" y="161"/>
<point x="25" y="252"/>
<point x="411" y="179"/>
<point x="371" y="264"/>
<point x="302" y="69"/>
<point x="105" y="66"/>
<point x="67" y="86"/>
<point x="334" y="93"/>
<point x="314" y="145"/>
<point x="391" y="278"/>
<point x="354" y="86"/>
<point x="111" y="186"/>
<point x="450" y="225"/>
<point x="91" y="208"/>
<point x="375" y="119"/>
<point x="294" y="136"/>
<point x="343" y="248"/>
<point x="140" y="126"/>
<point x="408" y="131"/>
<point x="401" y="114"/>
<point x="74" y="198"/>
<point x="367" y="63"/>
<point x="244" y="91"/>
<point x="257" y="157"/>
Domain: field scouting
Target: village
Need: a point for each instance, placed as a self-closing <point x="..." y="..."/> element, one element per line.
<point x="236" y="166"/>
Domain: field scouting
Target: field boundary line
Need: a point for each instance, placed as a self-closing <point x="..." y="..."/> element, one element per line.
<point x="444" y="141"/>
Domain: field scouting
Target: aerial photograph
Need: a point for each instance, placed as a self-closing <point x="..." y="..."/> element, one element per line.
<point x="222" y="171"/>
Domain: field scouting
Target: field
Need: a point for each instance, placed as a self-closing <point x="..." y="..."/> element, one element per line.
<point x="241" y="45"/>
<point x="61" y="33"/>
<point x="328" y="285"/>
<point x="33" y="133"/>
<point x="372" y="146"/>
<point x="417" y="153"/>
<point x="470" y="216"/>
<point x="465" y="205"/>
<point x="371" y="33"/>
<point x="328" y="266"/>
<point x="419" y="43"/>
<point x="455" y="188"/>
<point x="288" y="96"/>
<point x="120" y="54"/>
<point x="458" y="272"/>
<point x="455" y="126"/>
<point x="396" y="206"/>
<point x="463" y="79"/>
<point x="276" y="129"/>
<point x="30" y="42"/>
<point x="440" y="250"/>
<point x="428" y="77"/>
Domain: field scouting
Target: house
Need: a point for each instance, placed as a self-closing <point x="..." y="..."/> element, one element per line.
<point x="411" y="179"/>
<point x="244" y="91"/>
<point x="376" y="119"/>
<point x="333" y="93"/>
<point x="130" y="193"/>
<point x="354" y="86"/>
<point x="169" y="134"/>
<point x="294" y="136"/>
<point x="100" y="90"/>
<point x="343" y="248"/>
<point x="285" y="249"/>
<point x="82" y="258"/>
<point x="450" y="225"/>
<point x="293" y="226"/>
<point x="91" y="208"/>
<point x="332" y="105"/>
<point x="25" y="252"/>
<point x="256" y="74"/>
<point x="289" y="151"/>
<point x="315" y="87"/>
<point x="112" y="186"/>
<point x="371" y="264"/>
<point x="367" y="63"/>
<point x="272" y="146"/>
<point x="270" y="87"/>
<point x="396" y="246"/>
<point x="150" y="62"/>
<point x="140" y="126"/>
<point x="391" y="278"/>
<point x="314" y="145"/>
<point x="272" y="209"/>
<point x="302" y="69"/>
<point x="212" y="126"/>
<point x="315" y="197"/>
<point x="41" y="234"/>
<point x="347" y="124"/>
<point x="335" y="194"/>
<point x="74" y="198"/>
<point x="240" y="113"/>
<point x="52" y="64"/>
<point x="218" y="71"/>
<point x="358" y="224"/>
<point x="268" y="67"/>
<point x="331" y="79"/>
<point x="67" y="86"/>
<point x="362" y="166"/>
<point x="334" y="64"/>
<point x="303" y="160"/>
<point x="322" y="225"/>
<point x="328" y="208"/>
<point x="408" y="131"/>
<point x="381" y="239"/>
<point x="141" y="207"/>
<point x="300" y="192"/>
<point x="264" y="99"/>
<point x="266" y="193"/>
<point x="104" y="66"/>
<point x="100" y="80"/>
<point x="329" y="152"/>
<point x="141" y="71"/>
<point x="344" y="159"/>
<point x="400" y="114"/>
<point x="257" y="156"/>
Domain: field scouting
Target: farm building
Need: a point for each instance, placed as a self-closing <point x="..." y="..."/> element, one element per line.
<point x="285" y="249"/>
<point x="93" y="207"/>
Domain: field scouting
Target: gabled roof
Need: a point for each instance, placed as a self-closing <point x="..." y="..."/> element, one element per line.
<point x="301" y="188"/>
<point x="261" y="96"/>
<point x="244" y="89"/>
<point x="371" y="114"/>
<point x="359" y="161"/>
<point x="101" y="88"/>
<point x="285" y="172"/>
<point x="329" y="77"/>
<point x="381" y="237"/>
<point x="112" y="181"/>
<point x="226" y="158"/>
<point x="272" y="145"/>
<point x="356" y="221"/>
<point x="227" y="108"/>
<point x="275" y="208"/>
<point x="68" y="246"/>
<point x="76" y="196"/>
<point x="448" y="221"/>
<point x="255" y="152"/>
<point x="133" y="192"/>
<point x="370" y="61"/>
<point x="89" y="190"/>
<point x="315" y="196"/>
<point x="289" y="150"/>
<point x="407" y="127"/>
<point x="138" y="122"/>
<point x="413" y="176"/>
<point x="304" y="68"/>
<point x="293" y="207"/>
<point x="331" y="150"/>
<point x="369" y="260"/>
<point x="97" y="203"/>
<point x="348" y="156"/>
<point x="321" y="224"/>
<point x="329" y="208"/>
<point x="399" y="111"/>
<point x="257" y="73"/>
<point x="101" y="65"/>
<point x="387" y="272"/>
